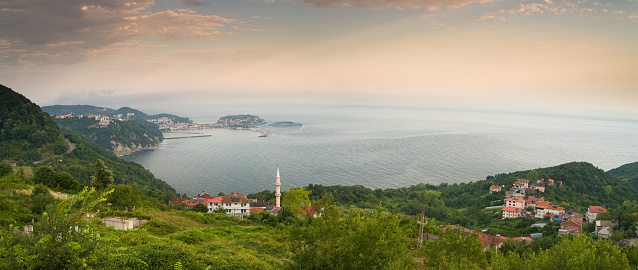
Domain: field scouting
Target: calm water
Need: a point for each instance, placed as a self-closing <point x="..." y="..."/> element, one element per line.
<point x="383" y="148"/>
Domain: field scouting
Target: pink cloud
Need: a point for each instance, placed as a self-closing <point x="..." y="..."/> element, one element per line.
<point x="379" y="4"/>
<point x="67" y="31"/>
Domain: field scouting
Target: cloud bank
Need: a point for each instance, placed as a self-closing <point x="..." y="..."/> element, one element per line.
<point x="67" y="31"/>
<point x="430" y="5"/>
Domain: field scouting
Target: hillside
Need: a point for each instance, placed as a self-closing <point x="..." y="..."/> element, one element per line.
<point x="241" y="120"/>
<point x="120" y="137"/>
<point x="627" y="173"/>
<point x="26" y="133"/>
<point x="21" y="119"/>
<point x="124" y="111"/>
<point x="465" y="203"/>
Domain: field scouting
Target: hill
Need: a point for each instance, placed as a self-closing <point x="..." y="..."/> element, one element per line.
<point x="120" y="137"/>
<point x="21" y="119"/>
<point x="627" y="173"/>
<point x="26" y="133"/>
<point x="124" y="112"/>
<point x="241" y="120"/>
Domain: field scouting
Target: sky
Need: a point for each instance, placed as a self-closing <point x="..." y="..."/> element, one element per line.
<point x="572" y="56"/>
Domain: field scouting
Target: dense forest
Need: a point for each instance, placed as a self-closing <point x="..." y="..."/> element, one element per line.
<point x="627" y="173"/>
<point x="21" y="119"/>
<point x="26" y="133"/>
<point x="120" y="137"/>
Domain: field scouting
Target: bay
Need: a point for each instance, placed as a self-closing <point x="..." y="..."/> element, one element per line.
<point x="382" y="148"/>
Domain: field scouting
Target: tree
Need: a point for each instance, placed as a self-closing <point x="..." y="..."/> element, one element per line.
<point x="46" y="176"/>
<point x="358" y="241"/>
<point x="64" y="239"/>
<point x="200" y="208"/>
<point x="123" y="196"/>
<point x="103" y="176"/>
<point x="532" y="176"/>
<point x="5" y="168"/>
<point x="296" y="199"/>
<point x="218" y="194"/>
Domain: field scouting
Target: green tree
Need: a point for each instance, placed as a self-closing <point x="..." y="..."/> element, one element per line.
<point x="532" y="176"/>
<point x="200" y="208"/>
<point x="5" y="168"/>
<point x="64" y="239"/>
<point x="103" y="176"/>
<point x="358" y="241"/>
<point x="38" y="201"/>
<point x="123" y="196"/>
<point x="296" y="199"/>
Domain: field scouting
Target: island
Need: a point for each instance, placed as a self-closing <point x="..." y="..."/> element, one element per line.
<point x="285" y="124"/>
<point x="241" y="120"/>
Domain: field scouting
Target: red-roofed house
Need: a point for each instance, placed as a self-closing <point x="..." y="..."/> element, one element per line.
<point x="593" y="211"/>
<point x="544" y="208"/>
<point x="540" y="187"/>
<point x="525" y="182"/>
<point x="214" y="203"/>
<point x="487" y="241"/>
<point x="550" y="182"/>
<point x="570" y="226"/>
<point x="177" y="201"/>
<point x="511" y="212"/>
<point x="494" y="188"/>
<point x="515" y="202"/>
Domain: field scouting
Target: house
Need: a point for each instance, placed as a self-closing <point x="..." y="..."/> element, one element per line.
<point x="512" y="212"/>
<point x="550" y="182"/>
<point x="487" y="241"/>
<point x="177" y="201"/>
<point x="593" y="211"/>
<point x="605" y="228"/>
<point x="494" y="188"/>
<point x="526" y="240"/>
<point x="214" y="203"/>
<point x="547" y="208"/>
<point x="515" y="202"/>
<point x="524" y="182"/>
<point x="539" y="186"/>
<point x="570" y="226"/>
<point x="236" y="204"/>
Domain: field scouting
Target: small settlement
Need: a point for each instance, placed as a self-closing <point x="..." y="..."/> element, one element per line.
<point x="535" y="206"/>
<point x="237" y="204"/>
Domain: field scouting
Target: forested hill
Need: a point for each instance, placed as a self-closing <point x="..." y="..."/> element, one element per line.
<point x="627" y="173"/>
<point x="583" y="185"/>
<point x="124" y="111"/>
<point x="21" y="119"/>
<point x="26" y="133"/>
<point x="120" y="137"/>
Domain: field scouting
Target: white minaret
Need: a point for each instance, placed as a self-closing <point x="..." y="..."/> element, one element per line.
<point x="278" y="192"/>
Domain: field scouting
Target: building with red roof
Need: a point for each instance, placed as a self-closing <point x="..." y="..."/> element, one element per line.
<point x="487" y="241"/>
<point x="512" y="212"/>
<point x="515" y="202"/>
<point x="593" y="211"/>
<point x="494" y="188"/>
<point x="177" y="201"/>
<point x="544" y="208"/>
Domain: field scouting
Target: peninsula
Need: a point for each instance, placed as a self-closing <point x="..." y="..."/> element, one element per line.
<point x="285" y="124"/>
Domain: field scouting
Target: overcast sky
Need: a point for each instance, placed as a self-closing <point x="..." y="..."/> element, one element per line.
<point x="534" y="54"/>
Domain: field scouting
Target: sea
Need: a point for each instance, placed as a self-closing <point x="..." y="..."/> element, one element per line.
<point x="380" y="147"/>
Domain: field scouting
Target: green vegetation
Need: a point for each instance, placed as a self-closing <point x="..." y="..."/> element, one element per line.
<point x="120" y="137"/>
<point x="26" y="133"/>
<point x="627" y="173"/>
<point x="241" y="120"/>
<point x="88" y="109"/>
<point x="285" y="124"/>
